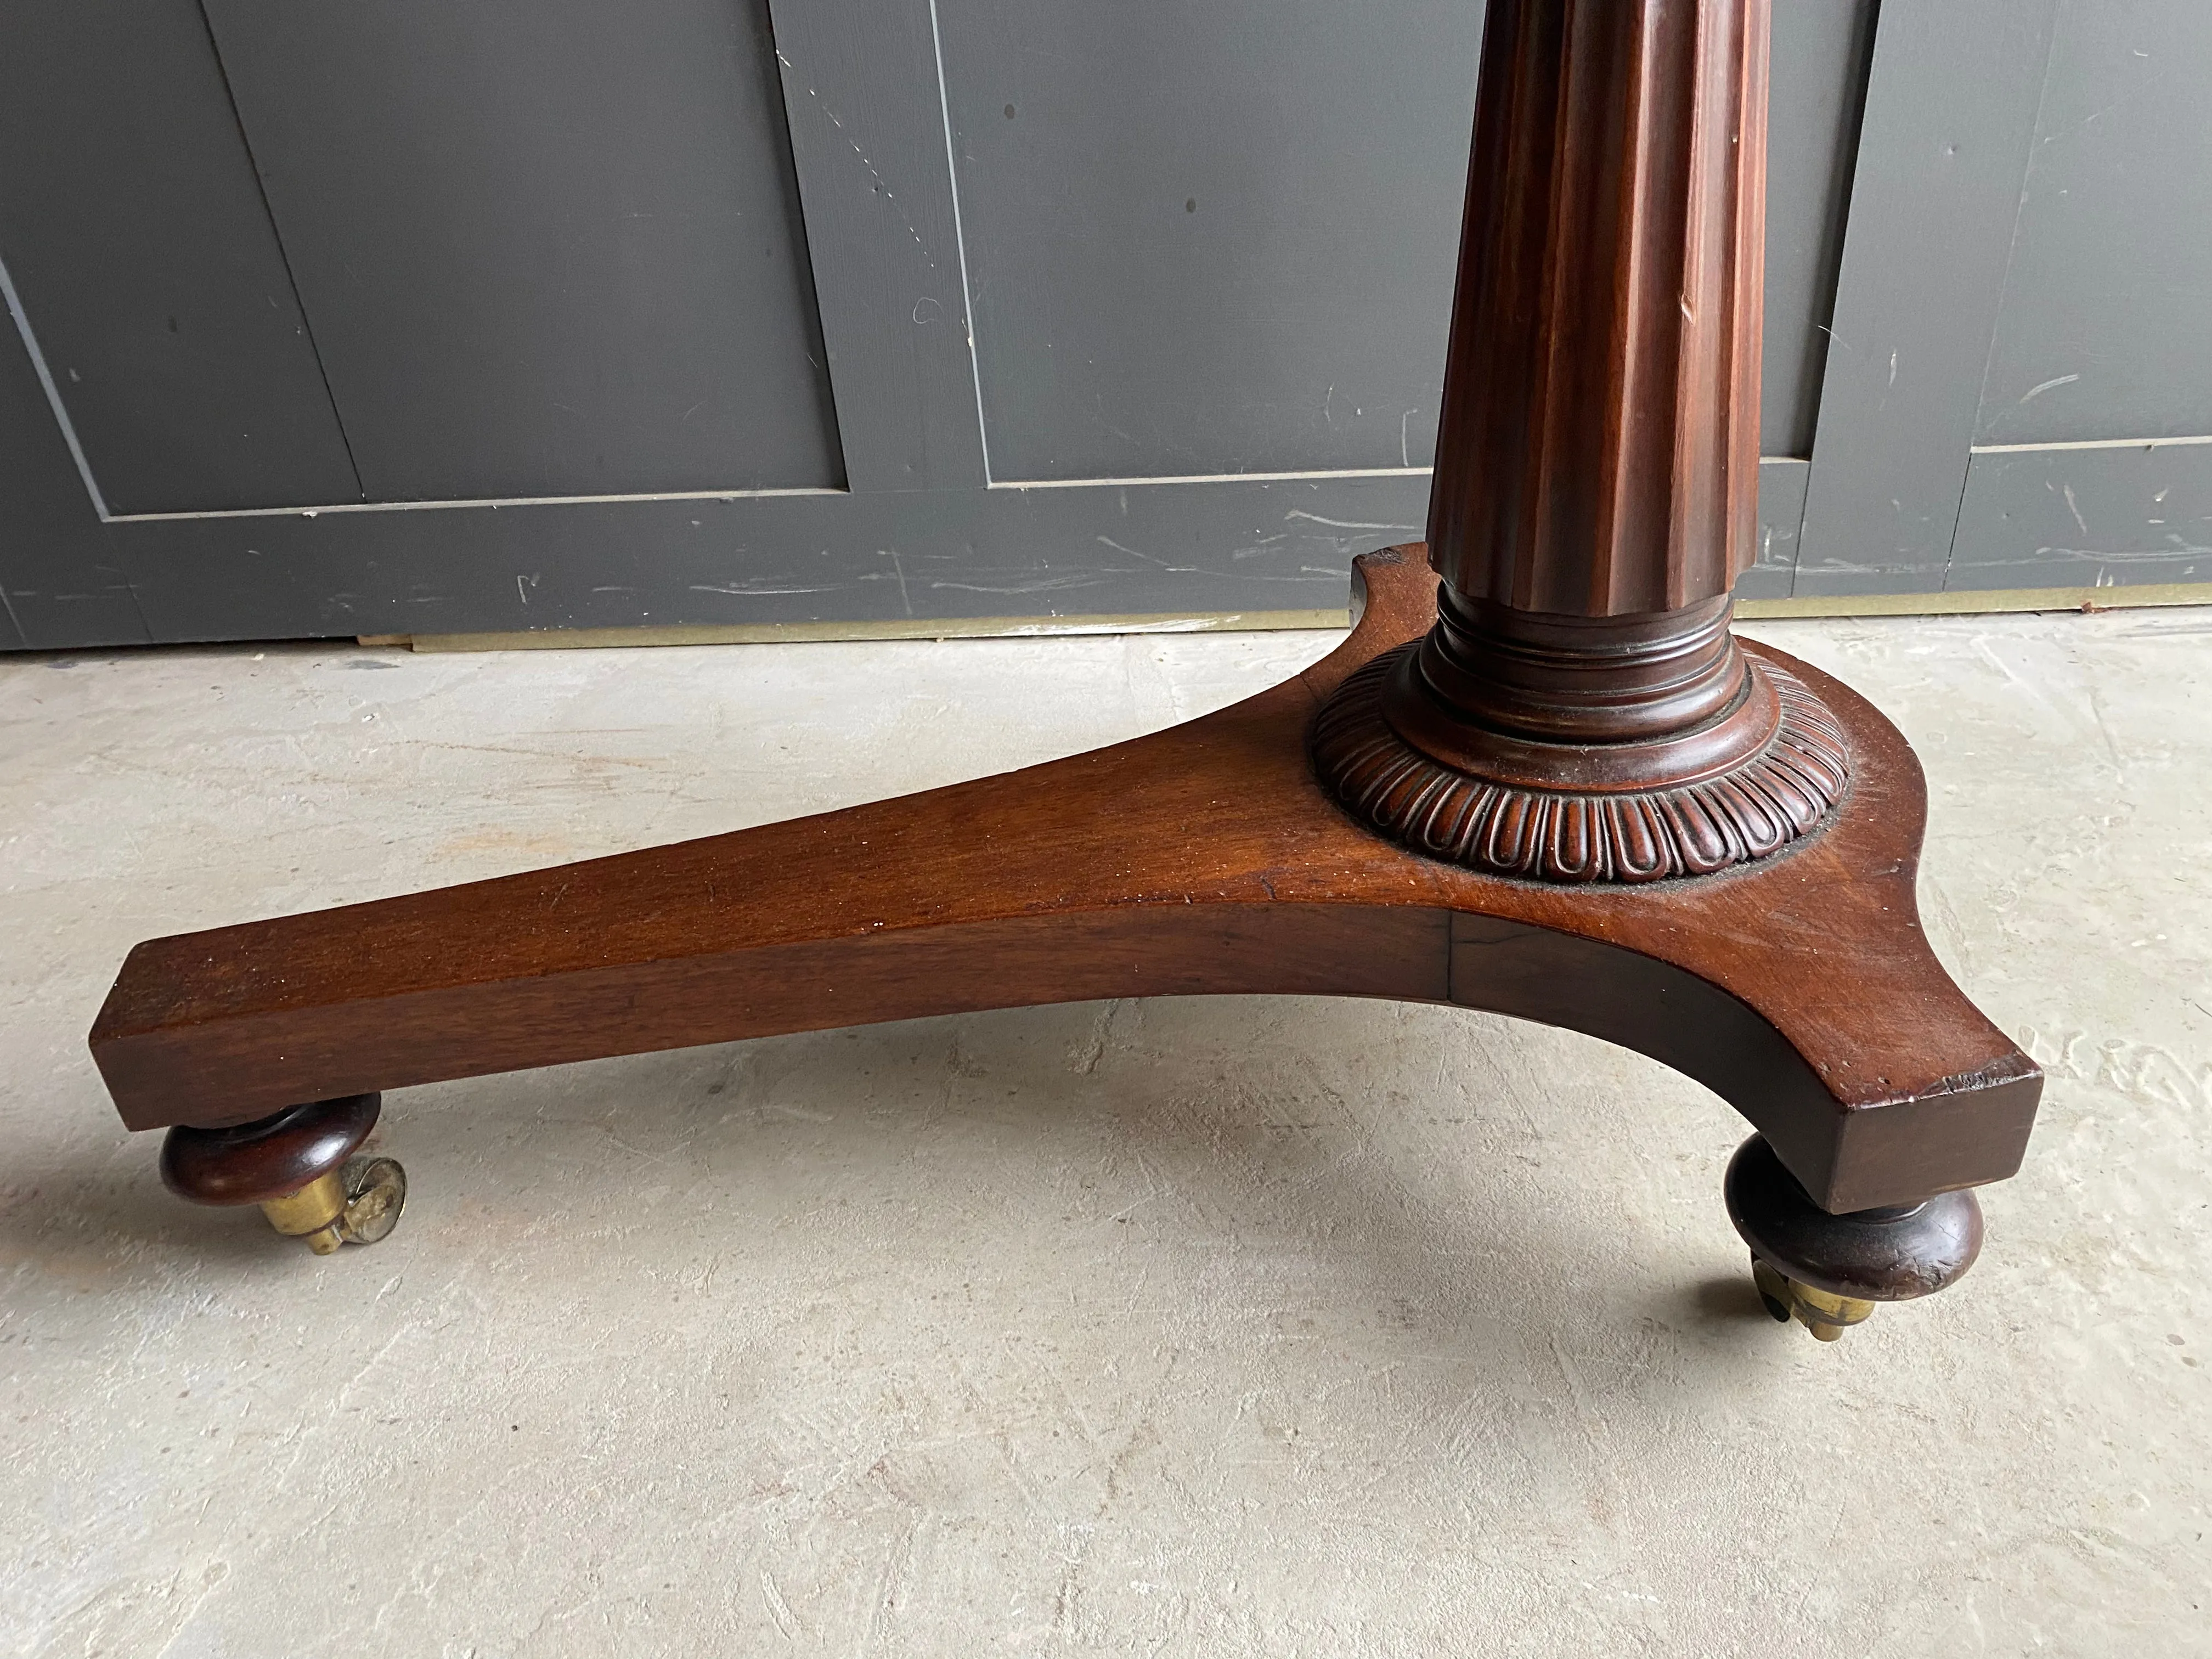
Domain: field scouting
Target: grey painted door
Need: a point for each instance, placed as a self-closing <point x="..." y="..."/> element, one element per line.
<point x="2091" y="461"/>
<point x="419" y="316"/>
<point x="2019" y="394"/>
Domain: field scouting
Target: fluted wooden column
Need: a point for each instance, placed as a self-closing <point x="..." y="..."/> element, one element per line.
<point x="1580" y="712"/>
<point x="1599" y="454"/>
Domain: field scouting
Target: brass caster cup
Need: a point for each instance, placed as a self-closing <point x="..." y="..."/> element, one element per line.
<point x="356" y="1204"/>
<point x="1826" y="1315"/>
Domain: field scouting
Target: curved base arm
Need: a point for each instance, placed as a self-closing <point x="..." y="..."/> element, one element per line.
<point x="1203" y="859"/>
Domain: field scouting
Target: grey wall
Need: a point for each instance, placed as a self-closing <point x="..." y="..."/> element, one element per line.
<point x="743" y="311"/>
<point x="2102" y="332"/>
<point x="1199" y="239"/>
<point x="147" y="268"/>
<point x="1822" y="50"/>
<point x="2019" y="389"/>
<point x="549" y="247"/>
<point x="2093" y="460"/>
<point x="1200" y="246"/>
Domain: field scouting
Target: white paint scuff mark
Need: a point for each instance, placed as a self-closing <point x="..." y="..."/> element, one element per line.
<point x="2049" y="385"/>
<point x="1153" y="559"/>
<point x="751" y="590"/>
<point x="898" y="569"/>
<point x="1346" y="523"/>
<point x="1037" y="585"/>
<point x="883" y="185"/>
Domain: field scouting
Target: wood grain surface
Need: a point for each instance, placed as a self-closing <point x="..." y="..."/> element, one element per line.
<point x="1599" y="450"/>
<point x="1205" y="859"/>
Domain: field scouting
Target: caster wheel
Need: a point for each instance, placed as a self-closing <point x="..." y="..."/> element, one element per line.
<point x="1828" y="1272"/>
<point x="376" y="1191"/>
<point x="300" y="1166"/>
<point x="1773" y="1291"/>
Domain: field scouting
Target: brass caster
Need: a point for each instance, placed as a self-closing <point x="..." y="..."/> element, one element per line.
<point x="300" y="1165"/>
<point x="1830" y="1271"/>
<point x="1827" y="1315"/>
<point x="358" y="1204"/>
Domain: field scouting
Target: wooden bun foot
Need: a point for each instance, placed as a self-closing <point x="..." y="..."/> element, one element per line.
<point x="299" y="1165"/>
<point x="1831" y="1272"/>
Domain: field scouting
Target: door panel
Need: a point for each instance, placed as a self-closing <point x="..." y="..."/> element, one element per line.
<point x="140" y="249"/>
<point x="549" y="248"/>
<point x="1209" y="240"/>
<point x="2016" y="396"/>
<point x="61" y="583"/>
<point x="2096" y="516"/>
<point x="1950" y="112"/>
<point x="1821" y="50"/>
<point x="2103" y="331"/>
<point x="2093" y="458"/>
<point x="562" y="262"/>
<point x="1175" y="552"/>
<point x="875" y="178"/>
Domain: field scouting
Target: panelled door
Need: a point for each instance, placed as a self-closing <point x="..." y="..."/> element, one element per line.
<point x="434" y="316"/>
<point x="2018" y="390"/>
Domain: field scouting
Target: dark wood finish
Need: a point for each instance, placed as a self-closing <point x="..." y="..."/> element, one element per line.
<point x="1567" y="813"/>
<point x="1580" y="712"/>
<point x="1202" y="858"/>
<point x="1889" y="1255"/>
<point x="1599" y="451"/>
<point x="273" y="1156"/>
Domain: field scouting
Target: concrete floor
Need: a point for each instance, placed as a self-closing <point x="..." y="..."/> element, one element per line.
<point x="1214" y="1328"/>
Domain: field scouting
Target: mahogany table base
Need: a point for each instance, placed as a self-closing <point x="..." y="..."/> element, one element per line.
<point x="1204" y="859"/>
